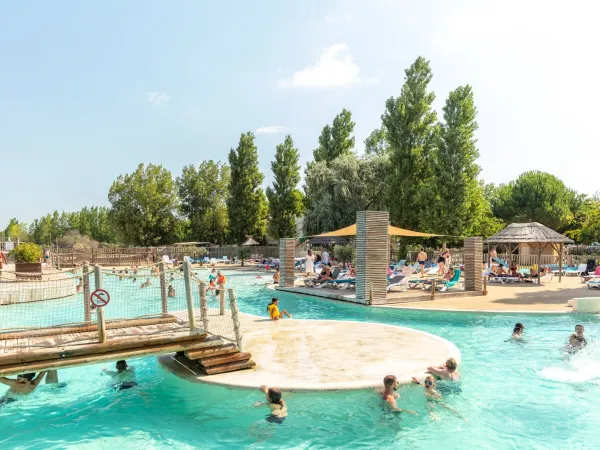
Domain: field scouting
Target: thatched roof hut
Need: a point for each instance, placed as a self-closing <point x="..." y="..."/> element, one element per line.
<point x="532" y="234"/>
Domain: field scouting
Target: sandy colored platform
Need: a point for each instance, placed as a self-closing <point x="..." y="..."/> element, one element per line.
<point x="308" y="355"/>
<point x="549" y="297"/>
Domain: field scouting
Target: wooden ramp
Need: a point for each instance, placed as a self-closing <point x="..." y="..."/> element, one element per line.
<point x="59" y="348"/>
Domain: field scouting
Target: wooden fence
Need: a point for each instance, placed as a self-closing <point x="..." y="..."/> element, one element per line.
<point x="111" y="257"/>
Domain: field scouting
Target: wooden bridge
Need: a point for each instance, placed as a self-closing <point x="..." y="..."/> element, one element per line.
<point x="24" y="350"/>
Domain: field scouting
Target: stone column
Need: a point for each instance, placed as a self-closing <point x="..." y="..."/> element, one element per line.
<point x="371" y="256"/>
<point x="473" y="261"/>
<point x="287" y="261"/>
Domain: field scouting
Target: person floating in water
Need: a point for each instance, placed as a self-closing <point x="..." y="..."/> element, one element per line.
<point x="389" y="394"/>
<point x="273" y="310"/>
<point x="124" y="376"/>
<point x="274" y="401"/>
<point x="22" y="385"/>
<point x="434" y="397"/>
<point x="518" y="331"/>
<point x="446" y="371"/>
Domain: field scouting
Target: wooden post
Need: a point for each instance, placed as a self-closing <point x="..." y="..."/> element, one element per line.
<point x="433" y="283"/>
<point x="100" y="309"/>
<point x="188" y="295"/>
<point x="484" y="285"/>
<point x="560" y="262"/>
<point x="163" y="287"/>
<point x="203" y="305"/>
<point x="235" y="318"/>
<point x="87" y="313"/>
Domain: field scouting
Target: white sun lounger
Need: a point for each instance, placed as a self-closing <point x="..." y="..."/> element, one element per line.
<point x="504" y="280"/>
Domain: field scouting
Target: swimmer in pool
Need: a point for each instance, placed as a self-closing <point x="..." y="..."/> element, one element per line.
<point x="434" y="397"/>
<point x="273" y="310"/>
<point x="518" y="331"/>
<point x="448" y="371"/>
<point x="389" y="394"/>
<point x="23" y="385"/>
<point x="274" y="401"/>
<point x="579" y="330"/>
<point x="124" y="376"/>
<point x="576" y="343"/>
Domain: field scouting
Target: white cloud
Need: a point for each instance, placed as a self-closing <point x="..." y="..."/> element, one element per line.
<point x="158" y="98"/>
<point x="335" y="67"/>
<point x="270" y="129"/>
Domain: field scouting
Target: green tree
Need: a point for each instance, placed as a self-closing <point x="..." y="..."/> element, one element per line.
<point x="16" y="230"/>
<point x="285" y="200"/>
<point x="337" y="191"/>
<point x="376" y="143"/>
<point x="203" y="193"/>
<point x="410" y="124"/>
<point x="460" y="202"/>
<point x="244" y="253"/>
<point x="144" y="206"/>
<point x="535" y="197"/>
<point x="246" y="202"/>
<point x="337" y="139"/>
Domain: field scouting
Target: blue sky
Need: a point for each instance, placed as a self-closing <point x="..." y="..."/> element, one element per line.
<point x="90" y="89"/>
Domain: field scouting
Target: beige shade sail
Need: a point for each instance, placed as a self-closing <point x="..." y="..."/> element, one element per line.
<point x="392" y="231"/>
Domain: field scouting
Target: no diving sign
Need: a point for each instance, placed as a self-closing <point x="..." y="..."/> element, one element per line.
<point x="99" y="297"/>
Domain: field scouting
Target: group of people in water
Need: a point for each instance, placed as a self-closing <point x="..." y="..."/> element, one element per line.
<point x="577" y="340"/>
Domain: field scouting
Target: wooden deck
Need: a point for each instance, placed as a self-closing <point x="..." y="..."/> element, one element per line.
<point x="57" y="348"/>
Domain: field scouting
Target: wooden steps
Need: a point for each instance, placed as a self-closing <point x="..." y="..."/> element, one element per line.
<point x="219" y="359"/>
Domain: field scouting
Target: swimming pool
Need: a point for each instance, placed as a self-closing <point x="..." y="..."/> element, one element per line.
<point x="513" y="395"/>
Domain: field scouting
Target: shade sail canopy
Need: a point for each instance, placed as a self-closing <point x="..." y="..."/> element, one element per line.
<point x="250" y="241"/>
<point x="327" y="240"/>
<point x="531" y="232"/>
<point x="392" y="231"/>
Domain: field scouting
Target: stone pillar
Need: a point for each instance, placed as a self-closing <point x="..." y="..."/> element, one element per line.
<point x="287" y="261"/>
<point x="371" y="256"/>
<point x="473" y="261"/>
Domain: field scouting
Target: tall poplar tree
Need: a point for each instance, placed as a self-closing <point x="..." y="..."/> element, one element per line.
<point x="285" y="200"/>
<point x="410" y="124"/>
<point x="246" y="202"/>
<point x="337" y="139"/>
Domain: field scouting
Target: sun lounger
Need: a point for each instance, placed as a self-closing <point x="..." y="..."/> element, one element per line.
<point x="318" y="284"/>
<point x="397" y="280"/>
<point x="594" y="284"/>
<point x="444" y="285"/>
<point x="342" y="283"/>
<point x="577" y="271"/>
<point x="504" y="280"/>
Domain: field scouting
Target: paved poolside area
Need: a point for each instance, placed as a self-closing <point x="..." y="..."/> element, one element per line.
<point x="309" y="355"/>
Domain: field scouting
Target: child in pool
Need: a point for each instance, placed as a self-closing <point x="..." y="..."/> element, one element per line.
<point x="274" y="401"/>
<point x="518" y="331"/>
<point x="434" y="397"/>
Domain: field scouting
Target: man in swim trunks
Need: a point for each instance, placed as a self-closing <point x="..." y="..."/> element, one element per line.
<point x="446" y="371"/>
<point x="23" y="385"/>
<point x="389" y="394"/>
<point x="125" y="376"/>
<point x="273" y="310"/>
<point x="422" y="258"/>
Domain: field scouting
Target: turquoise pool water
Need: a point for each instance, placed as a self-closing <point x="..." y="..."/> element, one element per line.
<point x="513" y="395"/>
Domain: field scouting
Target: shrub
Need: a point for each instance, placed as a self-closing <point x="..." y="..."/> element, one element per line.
<point x="26" y="253"/>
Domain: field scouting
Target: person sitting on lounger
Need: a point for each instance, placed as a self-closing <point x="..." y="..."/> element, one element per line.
<point x="501" y="271"/>
<point x="273" y="310"/>
<point x="514" y="271"/>
<point x="22" y="385"/>
<point x="326" y="274"/>
<point x="446" y="371"/>
<point x="449" y="275"/>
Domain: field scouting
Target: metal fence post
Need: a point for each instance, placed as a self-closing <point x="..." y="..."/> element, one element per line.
<point x="163" y="287"/>
<point x="87" y="312"/>
<point x="236" y="319"/>
<point x="100" y="309"/>
<point x="188" y="295"/>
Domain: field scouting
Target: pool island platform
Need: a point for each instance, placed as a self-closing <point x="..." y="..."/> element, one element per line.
<point x="313" y="355"/>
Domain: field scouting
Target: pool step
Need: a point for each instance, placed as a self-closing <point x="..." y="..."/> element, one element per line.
<point x="217" y="358"/>
<point x="212" y="351"/>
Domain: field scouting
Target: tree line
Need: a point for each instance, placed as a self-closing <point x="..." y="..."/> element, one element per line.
<point x="420" y="167"/>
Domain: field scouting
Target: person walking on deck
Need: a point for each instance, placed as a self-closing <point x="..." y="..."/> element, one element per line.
<point x="421" y="259"/>
<point x="310" y="263"/>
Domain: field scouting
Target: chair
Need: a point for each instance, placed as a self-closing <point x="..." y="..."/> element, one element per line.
<point x="577" y="271"/>
<point x="397" y="280"/>
<point x="593" y="284"/>
<point x="318" y="284"/>
<point x="225" y="260"/>
<point x="504" y="280"/>
<point x="443" y="285"/>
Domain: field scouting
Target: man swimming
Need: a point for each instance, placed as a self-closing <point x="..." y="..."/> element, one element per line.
<point x="389" y="394"/>
<point x="273" y="310"/>
<point x="446" y="371"/>
<point x="23" y="385"/>
<point x="274" y="401"/>
<point x="125" y="376"/>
